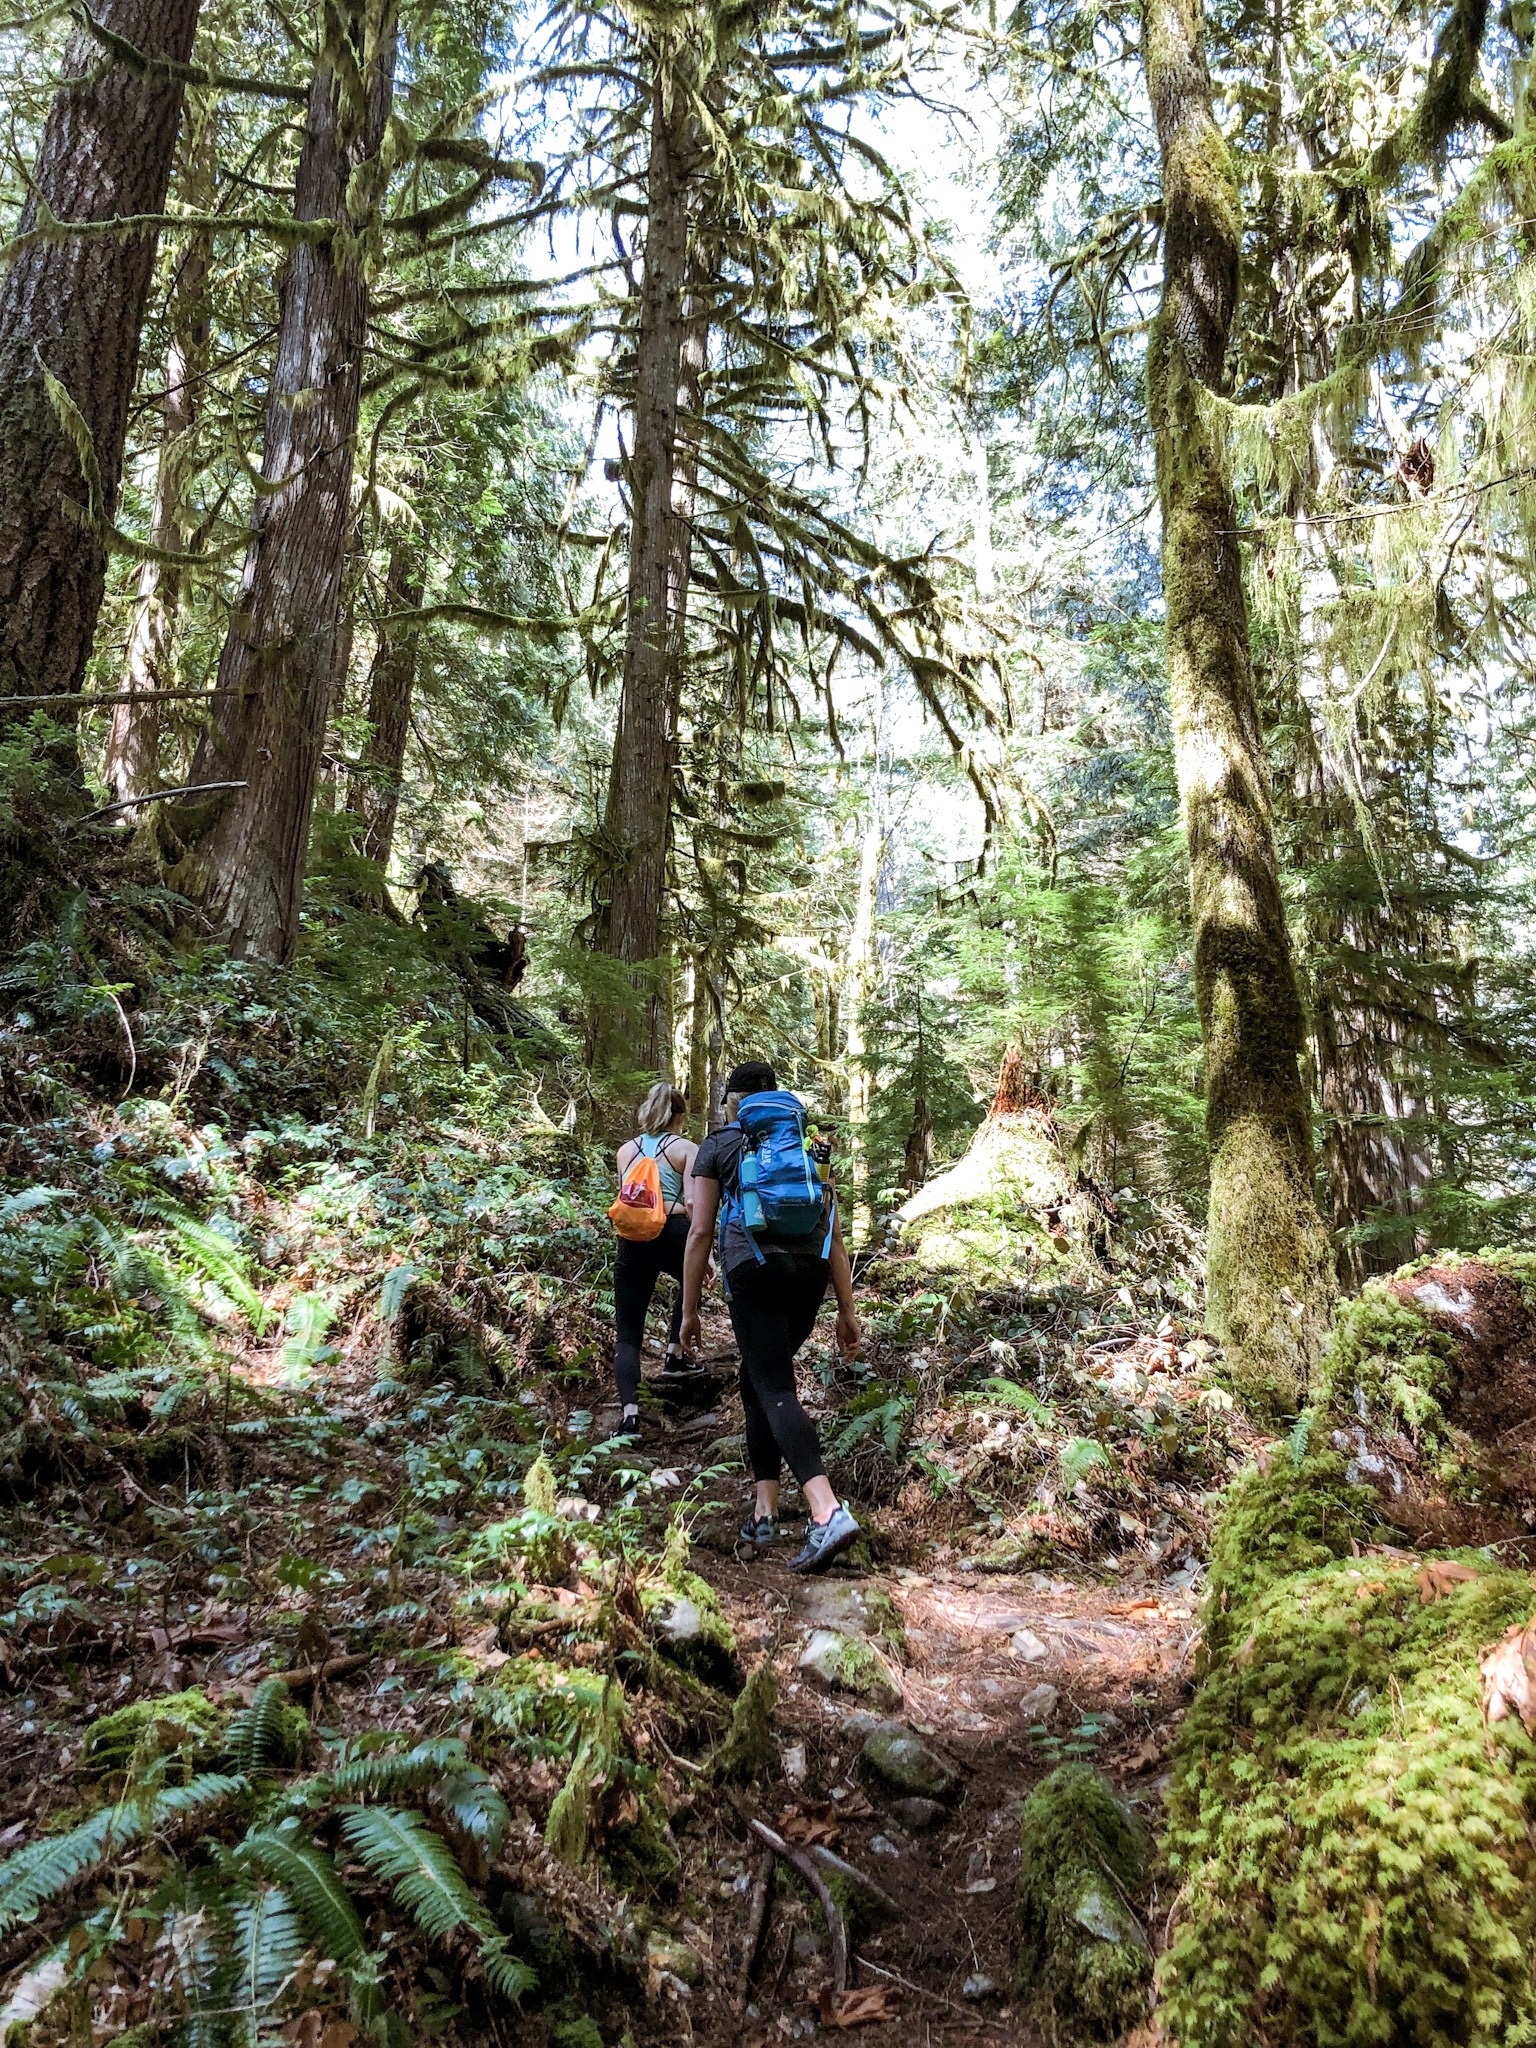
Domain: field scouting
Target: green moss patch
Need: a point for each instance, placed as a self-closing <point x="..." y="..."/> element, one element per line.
<point x="185" y="1725"/>
<point x="1084" y="1857"/>
<point x="1349" y="1837"/>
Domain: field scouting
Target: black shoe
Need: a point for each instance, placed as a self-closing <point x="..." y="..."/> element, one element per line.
<point x="760" y="1534"/>
<point x="824" y="1541"/>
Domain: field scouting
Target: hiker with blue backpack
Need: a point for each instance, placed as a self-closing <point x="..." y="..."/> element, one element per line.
<point x="756" y="1181"/>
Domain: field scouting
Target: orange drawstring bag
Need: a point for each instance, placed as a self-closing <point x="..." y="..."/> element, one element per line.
<point x="639" y="1213"/>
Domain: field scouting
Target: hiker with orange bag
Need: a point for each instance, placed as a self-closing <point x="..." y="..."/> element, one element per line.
<point x="651" y="1219"/>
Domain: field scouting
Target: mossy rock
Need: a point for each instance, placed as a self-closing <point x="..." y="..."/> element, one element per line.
<point x="1349" y="1836"/>
<point x="182" y="1724"/>
<point x="849" y="1664"/>
<point x="1083" y="1855"/>
<point x="690" y="1627"/>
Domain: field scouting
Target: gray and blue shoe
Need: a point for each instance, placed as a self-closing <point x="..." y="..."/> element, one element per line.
<point x="825" y="1541"/>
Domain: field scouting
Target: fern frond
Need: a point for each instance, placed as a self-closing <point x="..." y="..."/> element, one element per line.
<point x="397" y="1846"/>
<point x="207" y="1789"/>
<point x="311" y="1880"/>
<point x="270" y="1943"/>
<point x="261" y="1734"/>
<point x="45" y="1870"/>
<point x="475" y="1804"/>
<point x="224" y="1263"/>
<point x="381" y="1777"/>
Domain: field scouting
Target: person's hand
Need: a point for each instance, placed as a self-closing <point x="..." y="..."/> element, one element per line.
<point x="689" y="1335"/>
<point x="850" y="1337"/>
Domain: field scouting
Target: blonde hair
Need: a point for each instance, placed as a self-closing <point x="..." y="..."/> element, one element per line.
<point x="661" y="1109"/>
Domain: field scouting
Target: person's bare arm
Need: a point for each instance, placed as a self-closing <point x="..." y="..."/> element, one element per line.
<point x="850" y="1335"/>
<point x="696" y="1255"/>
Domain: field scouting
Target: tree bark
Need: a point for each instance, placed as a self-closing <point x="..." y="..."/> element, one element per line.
<point x="133" y="741"/>
<point x="698" y="1047"/>
<point x="375" y="793"/>
<point x="637" y="816"/>
<point x="1268" y="1273"/>
<point x="75" y="304"/>
<point x="247" y="861"/>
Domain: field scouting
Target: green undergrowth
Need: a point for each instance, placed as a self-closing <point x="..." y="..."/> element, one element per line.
<point x="215" y="1872"/>
<point x="1351" y="1839"/>
<point x="1083" y="1859"/>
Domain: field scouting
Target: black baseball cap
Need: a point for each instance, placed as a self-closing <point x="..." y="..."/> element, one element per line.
<point x="751" y="1077"/>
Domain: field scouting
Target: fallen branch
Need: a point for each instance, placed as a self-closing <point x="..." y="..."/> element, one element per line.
<point x="157" y="796"/>
<point x="312" y="1674"/>
<point x="757" y="1926"/>
<point x="837" y="1930"/>
<point x="96" y="700"/>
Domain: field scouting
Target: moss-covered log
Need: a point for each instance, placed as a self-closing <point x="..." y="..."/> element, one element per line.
<point x="1269" y="1262"/>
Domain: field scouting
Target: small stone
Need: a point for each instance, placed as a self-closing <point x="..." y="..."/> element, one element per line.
<point x="917" y="1815"/>
<point x="1039" y="1703"/>
<point x="793" y="1759"/>
<point x="1026" y="1644"/>
<point x="882" y="1845"/>
<point x="679" y="1621"/>
<point x="849" y="1664"/>
<point x="978" y="1986"/>
<point x="906" y="1762"/>
<point x="669" y="1958"/>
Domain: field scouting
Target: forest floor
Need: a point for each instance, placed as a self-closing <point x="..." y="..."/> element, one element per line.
<point x="330" y="1535"/>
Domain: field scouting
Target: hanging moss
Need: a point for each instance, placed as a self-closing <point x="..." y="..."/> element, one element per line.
<point x="1083" y="1855"/>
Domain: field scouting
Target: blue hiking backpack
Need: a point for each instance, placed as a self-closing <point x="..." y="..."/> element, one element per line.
<point x="777" y="1185"/>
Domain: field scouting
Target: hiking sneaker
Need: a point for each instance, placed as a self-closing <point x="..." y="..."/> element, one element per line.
<point x="760" y="1534"/>
<point x="824" y="1541"/>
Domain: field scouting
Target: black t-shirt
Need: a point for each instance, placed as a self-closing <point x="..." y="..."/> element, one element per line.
<point x="716" y="1160"/>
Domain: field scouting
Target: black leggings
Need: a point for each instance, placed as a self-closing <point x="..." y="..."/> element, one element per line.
<point x="636" y="1270"/>
<point x="773" y="1311"/>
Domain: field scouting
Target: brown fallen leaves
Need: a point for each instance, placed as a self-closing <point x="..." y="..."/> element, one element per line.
<point x="814" y="1825"/>
<point x="1509" y="1676"/>
<point x="861" y="2008"/>
<point x="1439" y="1578"/>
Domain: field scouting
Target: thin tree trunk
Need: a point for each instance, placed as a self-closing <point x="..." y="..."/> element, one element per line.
<point x="375" y="793"/>
<point x="75" y="305"/>
<point x="1269" y="1280"/>
<point x="698" y="1048"/>
<point x="638" y="812"/>
<point x="247" y="861"/>
<point x="133" y="742"/>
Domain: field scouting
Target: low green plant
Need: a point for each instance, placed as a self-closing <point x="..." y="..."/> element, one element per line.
<point x="245" y="1884"/>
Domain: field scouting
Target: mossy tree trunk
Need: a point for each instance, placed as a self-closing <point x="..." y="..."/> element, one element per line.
<point x="246" y="858"/>
<point x="638" y="812"/>
<point x="1269" y="1272"/>
<point x="73" y="307"/>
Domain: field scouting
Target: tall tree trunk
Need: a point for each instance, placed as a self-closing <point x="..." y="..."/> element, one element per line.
<point x="133" y="742"/>
<point x="638" y="813"/>
<point x="1269" y="1280"/>
<point x="75" y="306"/>
<point x="247" y="860"/>
<point x="375" y="792"/>
<point x="698" y="1047"/>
